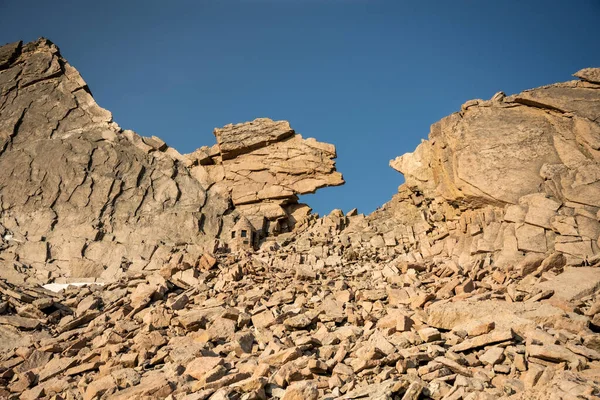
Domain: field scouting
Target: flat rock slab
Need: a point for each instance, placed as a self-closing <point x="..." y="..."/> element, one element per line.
<point x="463" y="314"/>
<point x="574" y="283"/>
<point x="496" y="336"/>
<point x="20" y="322"/>
<point x="11" y="338"/>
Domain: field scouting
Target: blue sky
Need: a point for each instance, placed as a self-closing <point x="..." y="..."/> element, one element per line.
<point x="368" y="76"/>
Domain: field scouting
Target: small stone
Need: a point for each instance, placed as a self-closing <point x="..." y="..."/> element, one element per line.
<point x="300" y="321"/>
<point x="199" y="367"/>
<point x="492" y="356"/>
<point x="305" y="273"/>
<point x="129" y="360"/>
<point x="207" y="262"/>
<point x="178" y="303"/>
<point x="263" y="319"/>
<point x="429" y="334"/>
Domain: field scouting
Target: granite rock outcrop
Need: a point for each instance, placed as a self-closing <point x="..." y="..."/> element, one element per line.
<point x="262" y="166"/>
<point x="504" y="178"/>
<point x="82" y="198"/>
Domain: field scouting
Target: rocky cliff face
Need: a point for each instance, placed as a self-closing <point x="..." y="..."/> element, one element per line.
<point x="504" y="179"/>
<point x="497" y="151"/>
<point x="80" y="197"/>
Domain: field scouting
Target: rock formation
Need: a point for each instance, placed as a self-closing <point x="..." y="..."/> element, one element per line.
<point x="480" y="279"/>
<point x="81" y="198"/>
<point x="504" y="178"/>
<point x="262" y="166"/>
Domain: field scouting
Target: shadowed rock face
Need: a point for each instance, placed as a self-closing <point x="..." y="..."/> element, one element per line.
<point x="74" y="187"/>
<point x="79" y="196"/>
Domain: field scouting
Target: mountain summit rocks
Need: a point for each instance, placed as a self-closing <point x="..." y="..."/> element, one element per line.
<point x="498" y="151"/>
<point x="130" y="271"/>
<point x="506" y="177"/>
<point x="262" y="166"/>
<point x="82" y="198"/>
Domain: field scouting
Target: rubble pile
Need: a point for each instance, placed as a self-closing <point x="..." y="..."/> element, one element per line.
<point x="273" y="324"/>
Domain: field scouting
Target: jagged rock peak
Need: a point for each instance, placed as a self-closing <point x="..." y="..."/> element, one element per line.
<point x="262" y="166"/>
<point x="82" y="198"/>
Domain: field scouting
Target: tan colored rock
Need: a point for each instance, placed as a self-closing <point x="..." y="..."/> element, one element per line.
<point x="429" y="334"/>
<point x="263" y="319"/>
<point x="237" y="139"/>
<point x="207" y="261"/>
<point x="300" y="321"/>
<point x="492" y="356"/>
<point x="574" y="283"/>
<point x="202" y="365"/>
<point x="20" y="322"/>
<point x="98" y="387"/>
<point x="553" y="353"/>
<point x="589" y="74"/>
<point x="265" y="165"/>
<point x="493" y="337"/>
<point x="301" y="391"/>
<point x="468" y="314"/>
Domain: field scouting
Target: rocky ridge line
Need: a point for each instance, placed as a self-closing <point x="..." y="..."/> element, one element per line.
<point x="82" y="199"/>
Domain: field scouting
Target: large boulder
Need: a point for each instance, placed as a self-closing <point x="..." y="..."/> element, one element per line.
<point x="496" y="151"/>
<point x="262" y="166"/>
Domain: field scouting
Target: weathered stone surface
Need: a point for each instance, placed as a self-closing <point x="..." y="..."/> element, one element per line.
<point x="574" y="283"/>
<point x="534" y="155"/>
<point x="552" y="353"/>
<point x="202" y="365"/>
<point x="20" y="322"/>
<point x="71" y="175"/>
<point x="8" y="53"/>
<point x="237" y="139"/>
<point x="301" y="391"/>
<point x="518" y="316"/>
<point x="589" y="74"/>
<point x="263" y="165"/>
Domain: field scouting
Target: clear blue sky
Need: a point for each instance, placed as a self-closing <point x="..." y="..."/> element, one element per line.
<point x="369" y="76"/>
